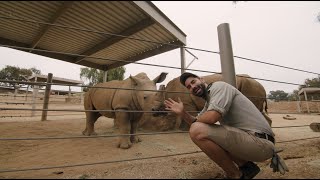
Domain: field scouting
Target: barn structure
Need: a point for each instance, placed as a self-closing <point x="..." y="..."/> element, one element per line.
<point x="309" y="91"/>
<point x="97" y="34"/>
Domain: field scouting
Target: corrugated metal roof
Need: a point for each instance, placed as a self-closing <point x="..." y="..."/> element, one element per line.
<point x="309" y="90"/>
<point x="88" y="28"/>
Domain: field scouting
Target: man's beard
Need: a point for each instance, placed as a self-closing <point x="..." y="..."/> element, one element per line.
<point x="203" y="91"/>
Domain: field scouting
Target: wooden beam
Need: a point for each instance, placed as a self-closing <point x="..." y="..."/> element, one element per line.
<point x="114" y="39"/>
<point x="144" y="55"/>
<point x="65" y="6"/>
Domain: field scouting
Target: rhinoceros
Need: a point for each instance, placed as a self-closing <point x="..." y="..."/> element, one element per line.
<point x="126" y="95"/>
<point x="246" y="85"/>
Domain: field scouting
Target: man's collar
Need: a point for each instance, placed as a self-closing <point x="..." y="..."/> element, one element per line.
<point x="208" y="87"/>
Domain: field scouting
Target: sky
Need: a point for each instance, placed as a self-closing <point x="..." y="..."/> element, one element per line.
<point x="282" y="33"/>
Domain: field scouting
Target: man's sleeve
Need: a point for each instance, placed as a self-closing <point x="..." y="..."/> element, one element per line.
<point x="221" y="96"/>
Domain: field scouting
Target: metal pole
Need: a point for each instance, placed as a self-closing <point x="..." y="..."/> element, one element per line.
<point x="46" y="97"/>
<point x="105" y="76"/>
<point x="226" y="54"/>
<point x="183" y="60"/>
<point x="69" y="93"/>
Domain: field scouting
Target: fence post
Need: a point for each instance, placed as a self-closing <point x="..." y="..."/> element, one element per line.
<point x="46" y="97"/>
<point x="298" y="105"/>
<point x="226" y="54"/>
<point x="16" y="87"/>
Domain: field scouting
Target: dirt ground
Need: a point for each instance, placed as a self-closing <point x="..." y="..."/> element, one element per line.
<point x="104" y="160"/>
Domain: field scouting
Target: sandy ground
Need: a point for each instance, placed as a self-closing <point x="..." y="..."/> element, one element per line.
<point x="105" y="160"/>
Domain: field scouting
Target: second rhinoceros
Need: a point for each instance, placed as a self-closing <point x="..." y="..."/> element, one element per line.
<point x="121" y="99"/>
<point x="251" y="88"/>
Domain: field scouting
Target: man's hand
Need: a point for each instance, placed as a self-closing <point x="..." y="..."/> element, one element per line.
<point x="176" y="107"/>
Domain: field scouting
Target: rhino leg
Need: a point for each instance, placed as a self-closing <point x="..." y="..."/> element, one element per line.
<point x="134" y="126"/>
<point x="124" y="128"/>
<point x="178" y="120"/>
<point x="90" y="120"/>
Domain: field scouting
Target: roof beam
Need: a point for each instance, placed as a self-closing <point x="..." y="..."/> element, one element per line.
<point x="144" y="55"/>
<point x="8" y="42"/>
<point x="46" y="53"/>
<point x="65" y="6"/>
<point x="114" y="39"/>
<point x="149" y="8"/>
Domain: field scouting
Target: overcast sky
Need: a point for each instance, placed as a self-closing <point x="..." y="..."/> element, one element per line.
<point x="283" y="33"/>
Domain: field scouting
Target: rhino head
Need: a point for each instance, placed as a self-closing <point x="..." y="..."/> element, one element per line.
<point x="146" y="89"/>
<point x="158" y="102"/>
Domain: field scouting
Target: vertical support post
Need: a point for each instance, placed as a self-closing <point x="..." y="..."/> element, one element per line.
<point x="306" y="99"/>
<point x="82" y="94"/>
<point x="27" y="92"/>
<point x="298" y="105"/>
<point x="183" y="59"/>
<point x="226" y="54"/>
<point x="16" y="87"/>
<point x="34" y="96"/>
<point x="81" y="97"/>
<point x="69" y="93"/>
<point x="105" y="76"/>
<point x="46" y="97"/>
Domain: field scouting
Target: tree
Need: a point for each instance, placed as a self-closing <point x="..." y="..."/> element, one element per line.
<point x="14" y="73"/>
<point x="278" y="95"/>
<point x="95" y="76"/>
<point x="293" y="96"/>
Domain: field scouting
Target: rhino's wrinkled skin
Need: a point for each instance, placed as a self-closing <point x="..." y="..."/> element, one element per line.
<point x="121" y="99"/>
<point x="246" y="85"/>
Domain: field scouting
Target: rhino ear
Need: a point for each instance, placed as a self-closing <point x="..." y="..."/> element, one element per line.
<point x="160" y="78"/>
<point x="135" y="80"/>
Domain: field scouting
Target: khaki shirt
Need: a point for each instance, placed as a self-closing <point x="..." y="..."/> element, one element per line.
<point x="236" y="109"/>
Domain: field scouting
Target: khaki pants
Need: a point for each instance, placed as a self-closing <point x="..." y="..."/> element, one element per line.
<point x="241" y="144"/>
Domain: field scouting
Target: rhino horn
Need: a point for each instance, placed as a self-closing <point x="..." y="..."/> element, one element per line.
<point x="160" y="78"/>
<point x="162" y="87"/>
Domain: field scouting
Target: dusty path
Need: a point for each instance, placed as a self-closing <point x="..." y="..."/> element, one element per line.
<point x="302" y="157"/>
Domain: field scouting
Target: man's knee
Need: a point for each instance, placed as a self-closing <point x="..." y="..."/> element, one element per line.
<point x="197" y="131"/>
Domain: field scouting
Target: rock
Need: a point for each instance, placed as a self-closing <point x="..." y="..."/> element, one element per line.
<point x="315" y="127"/>
<point x="288" y="117"/>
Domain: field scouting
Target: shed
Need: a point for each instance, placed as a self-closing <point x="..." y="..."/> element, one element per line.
<point x="309" y="90"/>
<point x="43" y="78"/>
<point x="97" y="34"/>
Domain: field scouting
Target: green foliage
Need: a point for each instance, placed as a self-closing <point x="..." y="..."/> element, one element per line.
<point x="116" y="73"/>
<point x="95" y="76"/>
<point x="293" y="96"/>
<point x="14" y="73"/>
<point x="314" y="82"/>
<point x="278" y="95"/>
